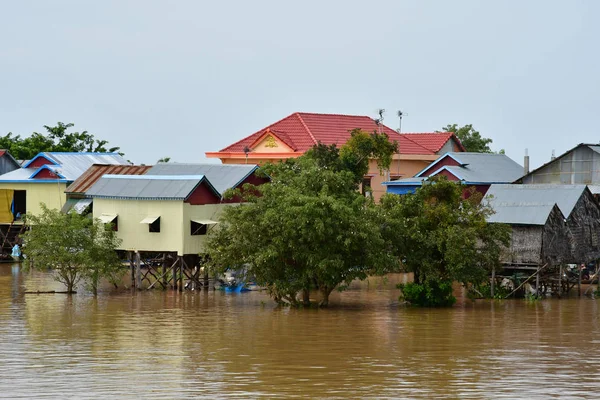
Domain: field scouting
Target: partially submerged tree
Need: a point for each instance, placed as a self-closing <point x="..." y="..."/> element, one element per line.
<point x="56" y="138"/>
<point x="442" y="237"/>
<point x="310" y="227"/>
<point x="73" y="246"/>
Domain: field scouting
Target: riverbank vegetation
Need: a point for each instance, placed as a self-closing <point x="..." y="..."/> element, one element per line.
<point x="75" y="247"/>
<point x="311" y="228"/>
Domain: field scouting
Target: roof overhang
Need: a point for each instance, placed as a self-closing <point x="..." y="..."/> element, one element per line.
<point x="149" y="220"/>
<point x="205" y="221"/>
<point x="107" y="218"/>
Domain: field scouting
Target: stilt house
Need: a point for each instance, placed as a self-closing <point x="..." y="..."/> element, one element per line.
<point x="575" y="240"/>
<point x="44" y="179"/>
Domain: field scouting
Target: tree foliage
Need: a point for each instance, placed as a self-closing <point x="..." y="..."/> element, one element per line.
<point x="56" y="138"/>
<point x="470" y="138"/>
<point x="75" y="247"/>
<point x="441" y="236"/>
<point x="310" y="227"/>
<point x="355" y="154"/>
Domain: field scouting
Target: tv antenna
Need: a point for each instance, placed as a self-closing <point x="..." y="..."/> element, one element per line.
<point x="400" y="114"/>
<point x="379" y="121"/>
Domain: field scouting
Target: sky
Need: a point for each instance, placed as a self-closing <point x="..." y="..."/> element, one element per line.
<point x="180" y="78"/>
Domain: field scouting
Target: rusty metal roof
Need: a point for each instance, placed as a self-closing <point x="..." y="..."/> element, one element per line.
<point x="96" y="171"/>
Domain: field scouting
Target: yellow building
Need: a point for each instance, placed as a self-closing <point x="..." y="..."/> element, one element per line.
<point x="298" y="132"/>
<point x="44" y="179"/>
<point x="158" y="213"/>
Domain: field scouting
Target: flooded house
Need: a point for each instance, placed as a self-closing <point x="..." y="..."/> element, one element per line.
<point x="478" y="170"/>
<point x="44" y="179"/>
<point x="163" y="220"/>
<point x="569" y="237"/>
<point x="293" y="135"/>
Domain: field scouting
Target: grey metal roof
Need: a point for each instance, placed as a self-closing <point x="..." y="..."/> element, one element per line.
<point x="72" y="165"/>
<point x="565" y="196"/>
<point x="21" y="174"/>
<point x="222" y="176"/>
<point x="145" y="187"/>
<point x="521" y="214"/>
<point x="485" y="167"/>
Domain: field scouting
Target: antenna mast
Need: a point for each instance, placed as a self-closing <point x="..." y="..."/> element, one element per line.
<point x="400" y="114"/>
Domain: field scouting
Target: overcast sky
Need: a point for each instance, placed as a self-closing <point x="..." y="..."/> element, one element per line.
<point x="179" y="78"/>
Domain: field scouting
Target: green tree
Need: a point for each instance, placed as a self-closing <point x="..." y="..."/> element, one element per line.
<point x="164" y="160"/>
<point x="56" y="138"/>
<point x="74" y="247"/>
<point x="470" y="138"/>
<point x="308" y="228"/>
<point x="442" y="237"/>
<point x="355" y="154"/>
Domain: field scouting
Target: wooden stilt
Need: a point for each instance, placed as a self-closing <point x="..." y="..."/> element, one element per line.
<point x="132" y="268"/>
<point x="138" y="271"/>
<point x="579" y="283"/>
<point x="180" y="287"/>
<point x="538" y="292"/>
<point x="164" y="271"/>
<point x="174" y="272"/>
<point x="493" y="282"/>
<point x="560" y="273"/>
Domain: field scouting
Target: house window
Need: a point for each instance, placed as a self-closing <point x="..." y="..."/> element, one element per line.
<point x="154" y="227"/>
<point x="198" y="229"/>
<point x="366" y="186"/>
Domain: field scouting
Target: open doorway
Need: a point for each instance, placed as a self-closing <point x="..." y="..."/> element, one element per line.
<point x="19" y="204"/>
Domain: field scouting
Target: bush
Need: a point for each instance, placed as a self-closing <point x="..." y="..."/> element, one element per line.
<point x="428" y="294"/>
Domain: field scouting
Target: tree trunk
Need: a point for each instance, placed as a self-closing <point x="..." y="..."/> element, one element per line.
<point x="325" y="292"/>
<point x="416" y="277"/>
<point x="306" y="297"/>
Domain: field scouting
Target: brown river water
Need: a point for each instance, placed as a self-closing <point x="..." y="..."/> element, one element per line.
<point x="156" y="344"/>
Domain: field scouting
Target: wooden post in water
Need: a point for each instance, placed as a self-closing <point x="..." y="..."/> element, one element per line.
<point x="493" y="283"/>
<point x="537" y="282"/>
<point x="579" y="283"/>
<point x="174" y="272"/>
<point x="180" y="287"/>
<point x="164" y="270"/>
<point x="138" y="271"/>
<point x="131" y="267"/>
<point x="560" y="280"/>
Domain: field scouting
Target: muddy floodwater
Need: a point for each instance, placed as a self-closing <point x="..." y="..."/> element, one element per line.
<point x="158" y="344"/>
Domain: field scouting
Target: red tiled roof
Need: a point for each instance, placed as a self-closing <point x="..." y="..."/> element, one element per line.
<point x="96" y="171"/>
<point x="433" y="141"/>
<point x="301" y="131"/>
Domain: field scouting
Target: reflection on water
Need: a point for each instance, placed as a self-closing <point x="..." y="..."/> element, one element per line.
<point x="215" y="345"/>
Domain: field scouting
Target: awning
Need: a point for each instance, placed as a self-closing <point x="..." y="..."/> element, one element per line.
<point x="205" y="221"/>
<point x="69" y="204"/>
<point x="107" y="218"/>
<point x="81" y="205"/>
<point x="149" y="220"/>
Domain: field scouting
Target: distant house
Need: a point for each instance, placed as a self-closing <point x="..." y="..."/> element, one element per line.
<point x="222" y="176"/>
<point x="571" y="237"/>
<point x="158" y="213"/>
<point x="479" y="170"/>
<point x="44" y="179"/>
<point x="295" y="134"/>
<point x="580" y="165"/>
<point x="76" y="192"/>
